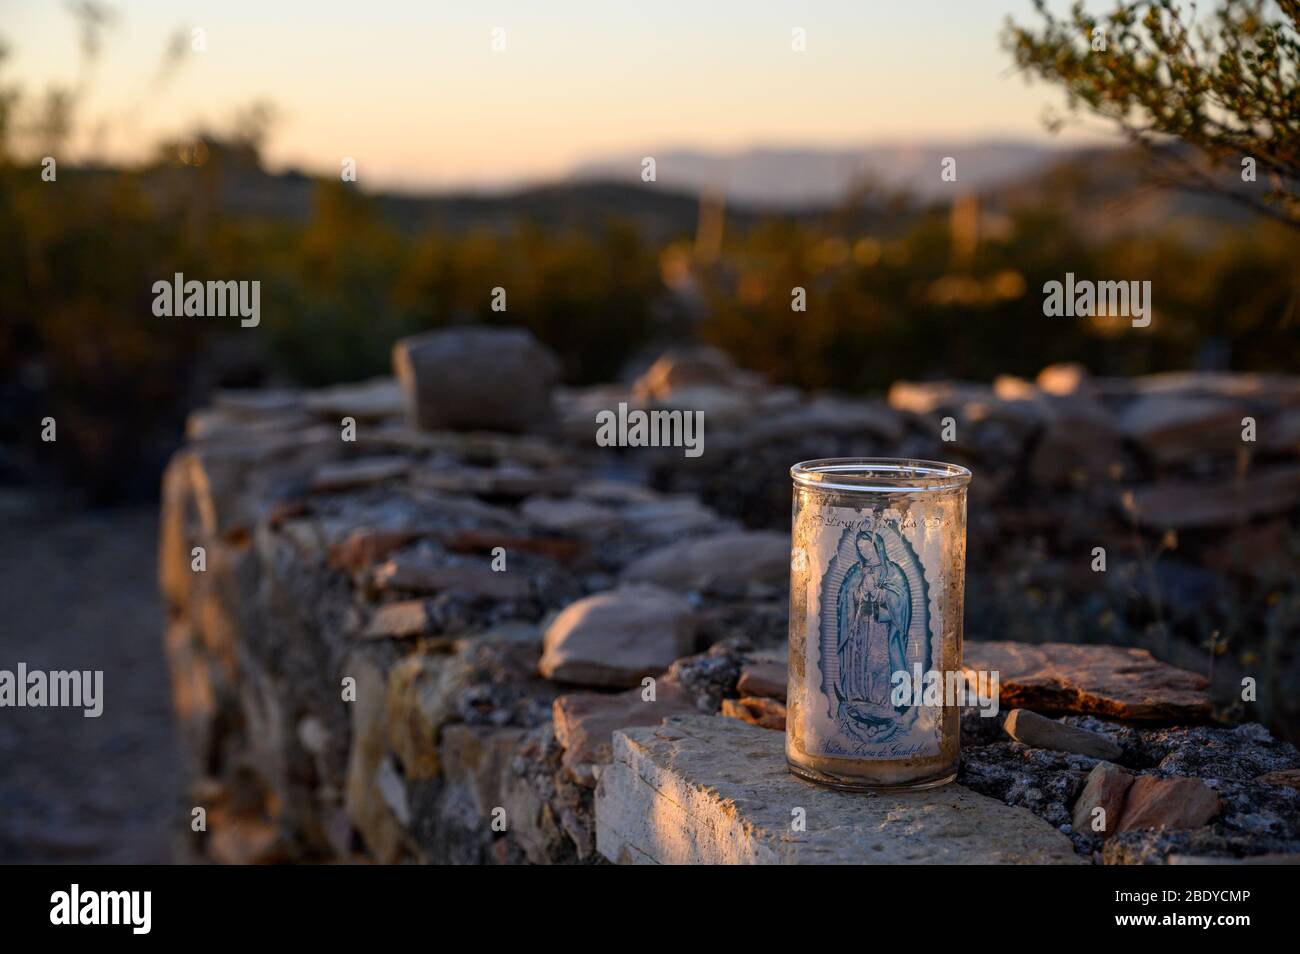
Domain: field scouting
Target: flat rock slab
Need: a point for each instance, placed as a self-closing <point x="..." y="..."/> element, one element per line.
<point x="1043" y="733"/>
<point x="1186" y="505"/>
<point x="363" y="472"/>
<point x="366" y="401"/>
<point x="1174" y="427"/>
<point x="1111" y="681"/>
<point x="396" y="620"/>
<point x="465" y="580"/>
<point x="764" y="674"/>
<point x="618" y="637"/>
<point x="706" y="790"/>
<point x="727" y="562"/>
<point x="585" y="723"/>
<point x="512" y="480"/>
<point x="579" y="517"/>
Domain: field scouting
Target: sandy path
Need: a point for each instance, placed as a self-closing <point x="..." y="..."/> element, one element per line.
<point x="77" y="591"/>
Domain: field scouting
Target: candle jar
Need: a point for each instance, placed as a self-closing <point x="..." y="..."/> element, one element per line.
<point x="877" y="579"/>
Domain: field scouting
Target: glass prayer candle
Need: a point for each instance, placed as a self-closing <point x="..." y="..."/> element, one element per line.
<point x="878" y="567"/>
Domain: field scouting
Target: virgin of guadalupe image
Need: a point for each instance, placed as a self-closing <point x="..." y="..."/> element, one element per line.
<point x="873" y="618"/>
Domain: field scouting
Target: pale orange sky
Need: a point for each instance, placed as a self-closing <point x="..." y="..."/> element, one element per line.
<point x="416" y="94"/>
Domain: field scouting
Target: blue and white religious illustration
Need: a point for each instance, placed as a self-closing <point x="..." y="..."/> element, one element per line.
<point x="875" y="621"/>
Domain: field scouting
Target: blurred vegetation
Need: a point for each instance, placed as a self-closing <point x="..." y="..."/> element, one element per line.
<point x="915" y="305"/>
<point x="894" y="288"/>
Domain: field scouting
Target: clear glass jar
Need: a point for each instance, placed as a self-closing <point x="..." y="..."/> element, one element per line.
<point x="877" y="581"/>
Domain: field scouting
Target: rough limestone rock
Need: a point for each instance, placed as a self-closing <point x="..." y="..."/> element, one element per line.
<point x="1289" y="778"/>
<point x="472" y="581"/>
<point x="1183" y="505"/>
<point x="1111" y="681"/>
<point x="1175" y="427"/>
<point x="398" y="620"/>
<point x="475" y="764"/>
<point x="508" y="481"/>
<point x="367" y="809"/>
<point x="1106" y="789"/>
<point x="1255" y="817"/>
<point x="671" y="518"/>
<point x="371" y="400"/>
<point x="1041" y="732"/>
<point x="619" y="637"/>
<point x="361" y="548"/>
<point x="756" y="710"/>
<point x="995" y="422"/>
<point x="1064" y="379"/>
<point x="585" y="723"/>
<point x="362" y="472"/>
<point x="578" y="517"/>
<point x="1160" y="846"/>
<point x="496" y="379"/>
<point x="727" y="562"/>
<point x="692" y="367"/>
<point x="1042" y="781"/>
<point x="230" y="481"/>
<point x="764" y="674"/>
<point x="419" y="700"/>
<point x="1168" y="803"/>
<point x="722" y="406"/>
<point x="1239" y="753"/>
<point x="1080" y="440"/>
<point x="828" y="415"/>
<point x="700" y="789"/>
<point x="929" y="397"/>
<point x="1282" y="433"/>
<point x="709" y="677"/>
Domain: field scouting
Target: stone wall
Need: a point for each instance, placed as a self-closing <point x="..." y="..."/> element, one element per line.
<point x="396" y="644"/>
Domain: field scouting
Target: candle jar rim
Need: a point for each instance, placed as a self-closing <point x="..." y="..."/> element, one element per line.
<point x="879" y="475"/>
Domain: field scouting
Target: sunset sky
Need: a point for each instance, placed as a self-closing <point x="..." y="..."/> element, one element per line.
<point x="414" y="92"/>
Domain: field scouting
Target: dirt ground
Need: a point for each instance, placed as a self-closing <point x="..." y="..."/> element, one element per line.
<point x="78" y="591"/>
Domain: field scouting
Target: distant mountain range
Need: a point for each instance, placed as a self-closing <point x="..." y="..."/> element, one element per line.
<point x="793" y="178"/>
<point x="1105" y="190"/>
